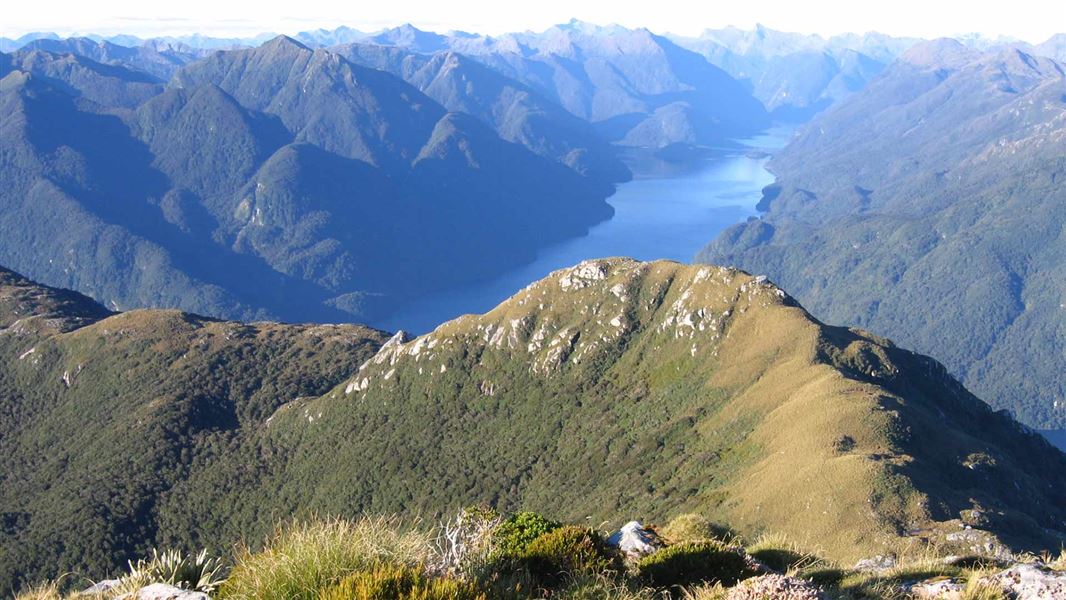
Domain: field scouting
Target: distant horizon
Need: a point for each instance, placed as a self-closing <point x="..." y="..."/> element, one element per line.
<point x="1031" y="21"/>
<point x="266" y="35"/>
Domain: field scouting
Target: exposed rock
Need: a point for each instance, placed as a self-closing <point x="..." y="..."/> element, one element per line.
<point x="876" y="564"/>
<point x="162" y="591"/>
<point x="939" y="589"/>
<point x="1033" y="581"/>
<point x="978" y="541"/>
<point x="635" y="541"/>
<point x="778" y="587"/>
<point x="583" y="275"/>
<point x="99" y="587"/>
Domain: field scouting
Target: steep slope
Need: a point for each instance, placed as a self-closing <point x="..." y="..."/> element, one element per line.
<point x="516" y="112"/>
<point x="928" y="207"/>
<point x="262" y="183"/>
<point x="610" y="388"/>
<point x="76" y="190"/>
<point x="104" y="84"/>
<point x="102" y="415"/>
<point x="324" y="100"/>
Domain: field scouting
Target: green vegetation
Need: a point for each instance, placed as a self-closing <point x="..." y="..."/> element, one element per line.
<point x="379" y="558"/>
<point x="303" y="559"/>
<point x="613" y="390"/>
<point x="390" y="582"/>
<point x="695" y="562"/>
<point x="568" y="551"/>
<point x="199" y="573"/>
<point x="690" y="527"/>
<point x="518" y="531"/>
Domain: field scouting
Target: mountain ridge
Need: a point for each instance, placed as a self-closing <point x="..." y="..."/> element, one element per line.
<point x="948" y="240"/>
<point x="612" y="386"/>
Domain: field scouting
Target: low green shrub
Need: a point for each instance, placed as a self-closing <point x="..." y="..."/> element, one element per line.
<point x="401" y="582"/>
<point x="569" y="552"/>
<point x="517" y="532"/>
<point x="691" y="563"/>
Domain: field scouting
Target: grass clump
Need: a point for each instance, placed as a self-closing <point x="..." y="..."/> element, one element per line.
<point x="691" y="527"/>
<point x="514" y="535"/>
<point x="43" y="591"/>
<point x="305" y="558"/>
<point x="781" y="554"/>
<point x="401" y="582"/>
<point x="199" y="573"/>
<point x="569" y="552"/>
<point x="978" y="590"/>
<point x="692" y="563"/>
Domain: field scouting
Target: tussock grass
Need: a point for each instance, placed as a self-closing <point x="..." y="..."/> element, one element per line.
<point x="781" y="553"/>
<point x="690" y="527"/>
<point x="42" y="591"/>
<point x="198" y="572"/>
<point x="976" y="590"/>
<point x="303" y="558"/>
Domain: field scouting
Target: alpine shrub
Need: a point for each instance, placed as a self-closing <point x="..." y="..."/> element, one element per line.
<point x="690" y="563"/>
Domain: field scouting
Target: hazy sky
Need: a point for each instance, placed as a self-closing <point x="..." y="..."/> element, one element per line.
<point x="1030" y="20"/>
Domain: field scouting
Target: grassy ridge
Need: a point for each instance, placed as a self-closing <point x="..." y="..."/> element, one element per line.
<point x="613" y="388"/>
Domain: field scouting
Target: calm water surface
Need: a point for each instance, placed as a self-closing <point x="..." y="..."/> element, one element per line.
<point x="665" y="212"/>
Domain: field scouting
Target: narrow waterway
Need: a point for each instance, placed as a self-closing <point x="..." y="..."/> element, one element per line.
<point x="667" y="211"/>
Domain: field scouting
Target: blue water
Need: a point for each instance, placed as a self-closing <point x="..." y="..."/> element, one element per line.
<point x="1057" y="437"/>
<point x="667" y="212"/>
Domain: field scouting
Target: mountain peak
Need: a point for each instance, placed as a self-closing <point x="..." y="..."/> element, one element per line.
<point x="284" y="42"/>
<point x="938" y="52"/>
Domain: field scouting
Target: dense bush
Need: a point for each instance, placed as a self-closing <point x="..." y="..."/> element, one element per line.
<point x="519" y="530"/>
<point x="694" y="562"/>
<point x="401" y="582"/>
<point x="569" y="551"/>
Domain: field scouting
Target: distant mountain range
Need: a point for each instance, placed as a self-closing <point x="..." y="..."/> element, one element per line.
<point x="272" y="182"/>
<point x="608" y="389"/>
<point x="793" y="75"/>
<point x="929" y="206"/>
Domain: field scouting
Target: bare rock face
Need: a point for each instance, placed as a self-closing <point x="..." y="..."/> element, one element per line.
<point x="1031" y="582"/>
<point x="635" y="541"/>
<point x="778" y="587"/>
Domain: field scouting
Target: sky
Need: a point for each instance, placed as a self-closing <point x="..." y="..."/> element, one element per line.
<point x="1028" y="20"/>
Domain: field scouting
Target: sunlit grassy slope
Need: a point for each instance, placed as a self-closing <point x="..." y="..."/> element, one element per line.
<point x="611" y="390"/>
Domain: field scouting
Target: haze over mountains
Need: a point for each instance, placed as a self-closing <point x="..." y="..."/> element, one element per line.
<point x="613" y="387"/>
<point x="273" y="166"/>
